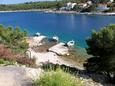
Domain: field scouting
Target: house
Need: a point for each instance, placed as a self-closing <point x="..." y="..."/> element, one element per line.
<point x="70" y="5"/>
<point x="85" y="5"/>
<point x="73" y="5"/>
<point x="89" y="2"/>
<point x="102" y="7"/>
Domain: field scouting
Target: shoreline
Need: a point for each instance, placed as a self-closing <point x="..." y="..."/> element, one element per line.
<point x="61" y="12"/>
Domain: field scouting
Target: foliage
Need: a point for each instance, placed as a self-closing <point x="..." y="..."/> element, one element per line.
<point x="26" y="61"/>
<point x="3" y="61"/>
<point x="7" y="57"/>
<point x="76" y="1"/>
<point x="32" y="5"/>
<point x="13" y="38"/>
<point x="102" y="46"/>
<point x="112" y="7"/>
<point x="56" y="5"/>
<point x="100" y="1"/>
<point x="13" y="46"/>
<point x="57" y="78"/>
<point x="5" y="53"/>
<point x="76" y="8"/>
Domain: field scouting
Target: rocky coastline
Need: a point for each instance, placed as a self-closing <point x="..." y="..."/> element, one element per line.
<point x="62" y="12"/>
<point x="20" y="75"/>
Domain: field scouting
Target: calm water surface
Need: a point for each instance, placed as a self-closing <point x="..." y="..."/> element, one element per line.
<point x="66" y="26"/>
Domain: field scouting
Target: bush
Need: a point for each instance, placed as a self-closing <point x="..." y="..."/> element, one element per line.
<point x="57" y="78"/>
<point x="26" y="61"/>
<point x="101" y="45"/>
<point x="14" y="39"/>
<point x="13" y="46"/>
<point x="4" y="62"/>
<point x="6" y="53"/>
<point x="7" y="57"/>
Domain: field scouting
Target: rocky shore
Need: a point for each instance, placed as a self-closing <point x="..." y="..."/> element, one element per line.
<point x="62" y="12"/>
<point x="50" y="54"/>
<point x="24" y="76"/>
<point x="16" y="75"/>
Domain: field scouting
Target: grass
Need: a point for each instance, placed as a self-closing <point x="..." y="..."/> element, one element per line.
<point x="57" y="78"/>
<point x="2" y="61"/>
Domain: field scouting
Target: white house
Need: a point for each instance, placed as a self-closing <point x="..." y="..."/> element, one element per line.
<point x="85" y="5"/>
<point x="71" y="5"/>
<point x="89" y="2"/>
<point x="102" y="7"/>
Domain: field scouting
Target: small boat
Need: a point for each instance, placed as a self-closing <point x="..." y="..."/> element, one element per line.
<point x="56" y="38"/>
<point x="37" y="34"/>
<point x="71" y="43"/>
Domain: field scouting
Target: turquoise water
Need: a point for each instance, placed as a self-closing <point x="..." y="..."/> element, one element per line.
<point x="66" y="26"/>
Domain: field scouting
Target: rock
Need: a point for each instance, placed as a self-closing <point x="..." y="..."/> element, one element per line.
<point x="33" y="73"/>
<point x="49" y="57"/>
<point x="42" y="57"/>
<point x="18" y="76"/>
<point x="37" y="40"/>
<point x="59" y="49"/>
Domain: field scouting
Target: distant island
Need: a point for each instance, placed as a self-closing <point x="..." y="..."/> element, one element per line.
<point x="64" y="6"/>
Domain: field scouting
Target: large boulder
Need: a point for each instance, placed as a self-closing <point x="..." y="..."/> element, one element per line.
<point x="37" y="41"/>
<point x="18" y="76"/>
<point x="59" y="49"/>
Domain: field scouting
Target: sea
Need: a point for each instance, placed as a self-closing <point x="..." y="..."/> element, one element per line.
<point x="67" y="27"/>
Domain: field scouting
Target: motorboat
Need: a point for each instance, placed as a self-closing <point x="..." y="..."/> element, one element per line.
<point x="71" y="43"/>
<point x="37" y="34"/>
<point x="56" y="38"/>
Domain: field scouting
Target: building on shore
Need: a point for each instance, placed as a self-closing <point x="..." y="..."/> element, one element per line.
<point x="102" y="7"/>
<point x="70" y="5"/>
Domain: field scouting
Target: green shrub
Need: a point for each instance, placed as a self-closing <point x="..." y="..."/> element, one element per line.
<point x="2" y="61"/>
<point x="101" y="45"/>
<point x="14" y="38"/>
<point x="57" y="78"/>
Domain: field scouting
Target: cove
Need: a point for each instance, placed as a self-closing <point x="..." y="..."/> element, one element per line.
<point x="66" y="26"/>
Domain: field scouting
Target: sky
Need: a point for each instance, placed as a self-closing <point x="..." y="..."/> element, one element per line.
<point x="17" y="1"/>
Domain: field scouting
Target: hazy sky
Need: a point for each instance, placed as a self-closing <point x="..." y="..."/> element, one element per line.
<point x="17" y="1"/>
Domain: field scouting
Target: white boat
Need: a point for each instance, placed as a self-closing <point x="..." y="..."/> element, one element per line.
<point x="71" y="43"/>
<point x="37" y="34"/>
<point x="55" y="38"/>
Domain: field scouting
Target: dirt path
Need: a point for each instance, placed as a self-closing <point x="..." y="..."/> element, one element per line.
<point x="14" y="76"/>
